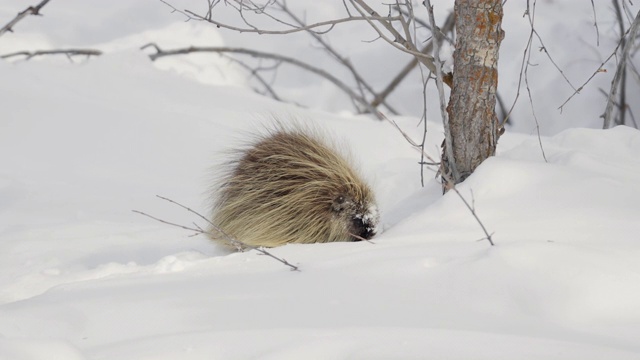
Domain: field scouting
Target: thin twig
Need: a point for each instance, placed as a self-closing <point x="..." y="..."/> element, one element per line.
<point x="342" y="60"/>
<point x="620" y="77"/>
<point x="546" y="51"/>
<point x="428" y="27"/>
<point x="622" y="106"/>
<point x="473" y="212"/>
<point x="255" y="73"/>
<point x="446" y="28"/>
<point x="600" y="68"/>
<point x="366" y="14"/>
<point x="524" y="71"/>
<point x="329" y="23"/>
<point x="261" y="54"/>
<point x="532" y="16"/>
<point x="626" y="48"/>
<point x="31" y="10"/>
<point x="405" y="23"/>
<point x="68" y="52"/>
<point x="196" y="228"/>
<point x="533" y="111"/>
<point x="439" y="84"/>
<point x="526" y="56"/>
<point x="398" y="41"/>
<point x="446" y="178"/>
<point x="423" y="118"/>
<point x="595" y="22"/>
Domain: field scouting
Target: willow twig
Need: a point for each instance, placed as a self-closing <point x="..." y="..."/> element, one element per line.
<point x="199" y="230"/>
<point x="68" y="52"/>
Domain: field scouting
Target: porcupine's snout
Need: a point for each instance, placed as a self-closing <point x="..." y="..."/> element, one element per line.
<point x="359" y="213"/>
<point x="364" y="225"/>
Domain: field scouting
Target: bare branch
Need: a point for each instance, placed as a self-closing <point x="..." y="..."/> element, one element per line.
<point x="423" y="118"/>
<point x="425" y="25"/>
<point x="595" y="22"/>
<point x="251" y="6"/>
<point x="153" y="45"/>
<point x="68" y="52"/>
<point x="600" y="68"/>
<point x="342" y="60"/>
<point x="524" y="74"/>
<point x="197" y="229"/>
<point x="627" y="108"/>
<point x="405" y="23"/>
<point x="446" y="28"/>
<point x="175" y="10"/>
<point x="533" y="111"/>
<point x="384" y="25"/>
<point x="531" y="16"/>
<point x="399" y="42"/>
<point x="620" y="74"/>
<point x="31" y="10"/>
<point x="531" y="13"/>
<point x="221" y="49"/>
<point x="255" y="73"/>
<point x="439" y="84"/>
<point x="446" y="178"/>
<point x="473" y="212"/>
<point x="329" y="23"/>
<point x="626" y="47"/>
<point x="622" y="108"/>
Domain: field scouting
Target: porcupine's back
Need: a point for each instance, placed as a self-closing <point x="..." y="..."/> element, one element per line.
<point x="289" y="187"/>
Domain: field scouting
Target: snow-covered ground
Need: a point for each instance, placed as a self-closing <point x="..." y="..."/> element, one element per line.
<point x="83" y="277"/>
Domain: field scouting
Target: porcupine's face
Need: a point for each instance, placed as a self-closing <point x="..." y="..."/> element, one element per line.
<point x="361" y="216"/>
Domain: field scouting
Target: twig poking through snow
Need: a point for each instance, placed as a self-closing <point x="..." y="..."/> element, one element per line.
<point x="199" y="230"/>
<point x="439" y="81"/>
<point x="446" y="178"/>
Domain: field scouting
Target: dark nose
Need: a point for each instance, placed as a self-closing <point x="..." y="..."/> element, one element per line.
<point x="362" y="229"/>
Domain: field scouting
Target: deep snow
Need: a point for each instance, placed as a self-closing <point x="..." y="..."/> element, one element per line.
<point x="82" y="277"/>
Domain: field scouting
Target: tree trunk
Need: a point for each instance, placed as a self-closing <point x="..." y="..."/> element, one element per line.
<point x="473" y="124"/>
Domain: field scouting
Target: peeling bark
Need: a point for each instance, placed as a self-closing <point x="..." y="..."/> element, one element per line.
<point x="472" y="118"/>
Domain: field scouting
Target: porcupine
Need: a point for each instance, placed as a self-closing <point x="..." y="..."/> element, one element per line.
<point x="289" y="186"/>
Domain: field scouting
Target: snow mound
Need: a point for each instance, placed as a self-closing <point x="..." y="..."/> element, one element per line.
<point x="83" y="277"/>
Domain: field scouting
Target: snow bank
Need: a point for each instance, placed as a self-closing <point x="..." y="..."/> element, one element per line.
<point x="82" y="277"/>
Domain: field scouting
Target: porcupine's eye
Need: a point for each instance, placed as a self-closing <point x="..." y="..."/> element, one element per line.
<point x="338" y="204"/>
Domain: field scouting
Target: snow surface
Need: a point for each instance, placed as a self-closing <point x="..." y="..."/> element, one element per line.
<point x="83" y="277"/>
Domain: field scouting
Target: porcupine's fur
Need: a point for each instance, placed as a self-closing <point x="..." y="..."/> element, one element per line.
<point x="290" y="187"/>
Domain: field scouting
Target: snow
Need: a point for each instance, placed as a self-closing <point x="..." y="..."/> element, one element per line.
<point x="83" y="277"/>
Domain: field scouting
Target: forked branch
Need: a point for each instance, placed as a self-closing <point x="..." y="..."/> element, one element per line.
<point x="199" y="230"/>
<point x="446" y="179"/>
<point x="264" y="55"/>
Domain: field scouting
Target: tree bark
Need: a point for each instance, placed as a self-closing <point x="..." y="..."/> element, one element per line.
<point x="473" y="124"/>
